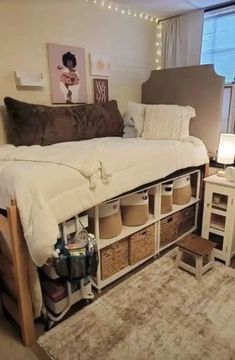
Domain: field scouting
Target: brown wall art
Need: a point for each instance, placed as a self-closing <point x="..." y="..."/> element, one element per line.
<point x="101" y="93"/>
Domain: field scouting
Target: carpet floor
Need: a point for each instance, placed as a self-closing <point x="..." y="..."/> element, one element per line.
<point x="160" y="313"/>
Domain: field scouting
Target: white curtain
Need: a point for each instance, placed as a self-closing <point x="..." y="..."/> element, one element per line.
<point x="182" y="39"/>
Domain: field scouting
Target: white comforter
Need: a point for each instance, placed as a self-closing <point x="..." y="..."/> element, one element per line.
<point x="53" y="183"/>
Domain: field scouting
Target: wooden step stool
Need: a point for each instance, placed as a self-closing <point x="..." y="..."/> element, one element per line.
<point x="198" y="248"/>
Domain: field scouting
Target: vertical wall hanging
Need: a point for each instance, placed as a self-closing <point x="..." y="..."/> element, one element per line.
<point x="67" y="68"/>
<point x="101" y="90"/>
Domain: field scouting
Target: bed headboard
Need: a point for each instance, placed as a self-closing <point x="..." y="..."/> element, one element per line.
<point x="198" y="86"/>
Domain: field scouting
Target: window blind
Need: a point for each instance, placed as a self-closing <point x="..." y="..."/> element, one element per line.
<point x="218" y="43"/>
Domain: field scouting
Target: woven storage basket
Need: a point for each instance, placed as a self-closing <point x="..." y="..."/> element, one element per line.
<point x="134" y="209"/>
<point x="151" y="200"/>
<point x="168" y="229"/>
<point x="141" y="245"/>
<point x="114" y="258"/>
<point x="110" y="223"/>
<point x="176" y="225"/>
<point x="166" y="198"/>
<point x="182" y="190"/>
<point x="186" y="219"/>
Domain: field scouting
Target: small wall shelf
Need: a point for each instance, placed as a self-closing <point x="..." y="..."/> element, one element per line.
<point x="29" y="79"/>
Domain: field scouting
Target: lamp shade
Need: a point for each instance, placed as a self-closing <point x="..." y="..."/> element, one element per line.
<point x="226" y="151"/>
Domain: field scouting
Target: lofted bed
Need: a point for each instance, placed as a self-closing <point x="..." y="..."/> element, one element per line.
<point x="196" y="86"/>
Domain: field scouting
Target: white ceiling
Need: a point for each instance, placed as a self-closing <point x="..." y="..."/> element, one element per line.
<point x="166" y="8"/>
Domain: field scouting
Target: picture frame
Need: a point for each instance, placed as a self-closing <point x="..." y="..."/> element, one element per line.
<point x="101" y="90"/>
<point x="67" y="71"/>
<point x="100" y="65"/>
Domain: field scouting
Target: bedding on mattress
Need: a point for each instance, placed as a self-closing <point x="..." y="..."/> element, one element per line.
<point x="53" y="183"/>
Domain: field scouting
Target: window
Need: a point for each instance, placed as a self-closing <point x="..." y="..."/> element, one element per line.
<point x="218" y="44"/>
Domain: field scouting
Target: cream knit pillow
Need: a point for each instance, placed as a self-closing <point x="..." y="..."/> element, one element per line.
<point x="165" y="122"/>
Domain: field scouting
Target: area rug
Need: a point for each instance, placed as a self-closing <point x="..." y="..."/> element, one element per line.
<point x="159" y="313"/>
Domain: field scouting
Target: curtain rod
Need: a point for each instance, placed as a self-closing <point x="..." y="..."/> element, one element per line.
<point x="221" y="6"/>
<point x="210" y="8"/>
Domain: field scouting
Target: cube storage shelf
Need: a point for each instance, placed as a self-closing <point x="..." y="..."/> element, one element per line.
<point x="123" y="253"/>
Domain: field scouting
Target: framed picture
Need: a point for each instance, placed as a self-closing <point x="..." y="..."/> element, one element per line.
<point x="67" y="69"/>
<point x="101" y="91"/>
<point x="99" y="65"/>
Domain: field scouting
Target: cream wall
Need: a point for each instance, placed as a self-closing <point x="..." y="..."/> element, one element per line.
<point x="28" y="25"/>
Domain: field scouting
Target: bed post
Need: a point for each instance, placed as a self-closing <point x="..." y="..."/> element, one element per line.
<point x="20" y="262"/>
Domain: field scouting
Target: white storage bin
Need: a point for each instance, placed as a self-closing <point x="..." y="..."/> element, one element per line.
<point x="182" y="191"/>
<point x="166" y="198"/>
<point x="59" y="306"/>
<point x="134" y="209"/>
<point x="110" y="223"/>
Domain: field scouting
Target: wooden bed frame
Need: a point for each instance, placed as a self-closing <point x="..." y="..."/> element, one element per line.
<point x="13" y="250"/>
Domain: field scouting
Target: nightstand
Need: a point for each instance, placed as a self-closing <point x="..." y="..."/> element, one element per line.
<point x="219" y="216"/>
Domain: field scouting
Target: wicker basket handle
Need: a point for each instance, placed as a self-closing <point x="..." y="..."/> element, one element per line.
<point x="170" y="219"/>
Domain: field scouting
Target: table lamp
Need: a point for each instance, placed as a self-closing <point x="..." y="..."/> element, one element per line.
<point x="226" y="151"/>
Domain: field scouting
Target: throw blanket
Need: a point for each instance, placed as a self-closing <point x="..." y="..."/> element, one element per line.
<point x="53" y="183"/>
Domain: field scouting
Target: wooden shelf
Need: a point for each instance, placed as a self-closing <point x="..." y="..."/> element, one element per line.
<point x="126" y="231"/>
<point x="152" y="220"/>
<point x="216" y="231"/>
<point x="177" y="208"/>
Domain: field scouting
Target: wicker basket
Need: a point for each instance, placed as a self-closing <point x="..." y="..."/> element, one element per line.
<point x="182" y="190"/>
<point x="114" y="258"/>
<point x="168" y="229"/>
<point x="166" y="198"/>
<point x="176" y="225"/>
<point x="141" y="245"/>
<point x="186" y="220"/>
<point x="134" y="209"/>
<point x="110" y="222"/>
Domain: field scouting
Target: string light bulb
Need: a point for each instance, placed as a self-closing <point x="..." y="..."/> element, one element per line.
<point x="112" y="6"/>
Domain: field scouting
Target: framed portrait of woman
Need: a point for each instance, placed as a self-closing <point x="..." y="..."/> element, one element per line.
<point x="67" y="69"/>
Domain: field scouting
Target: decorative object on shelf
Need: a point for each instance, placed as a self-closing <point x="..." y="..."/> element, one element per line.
<point x="99" y="65"/>
<point x="29" y="79"/>
<point x="226" y="151"/>
<point x="67" y="74"/>
<point x="101" y="92"/>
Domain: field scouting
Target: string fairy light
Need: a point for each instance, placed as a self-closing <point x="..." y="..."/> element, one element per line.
<point x="124" y="11"/>
<point x="158" y="45"/>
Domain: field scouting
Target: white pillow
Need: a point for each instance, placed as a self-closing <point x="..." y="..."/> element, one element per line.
<point x="137" y="112"/>
<point x="167" y="122"/>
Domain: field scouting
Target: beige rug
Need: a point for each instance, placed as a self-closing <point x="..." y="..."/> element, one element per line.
<point x="157" y="314"/>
